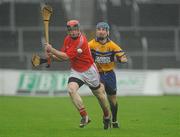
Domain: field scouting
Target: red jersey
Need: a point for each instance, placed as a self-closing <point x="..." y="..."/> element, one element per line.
<point x="79" y="61"/>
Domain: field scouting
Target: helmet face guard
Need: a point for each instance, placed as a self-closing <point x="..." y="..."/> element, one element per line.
<point x="69" y="28"/>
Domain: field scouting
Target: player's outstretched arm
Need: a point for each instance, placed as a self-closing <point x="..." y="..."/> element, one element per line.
<point x="57" y="54"/>
<point x="55" y="58"/>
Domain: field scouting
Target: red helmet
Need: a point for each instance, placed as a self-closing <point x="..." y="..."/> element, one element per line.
<point x="73" y="24"/>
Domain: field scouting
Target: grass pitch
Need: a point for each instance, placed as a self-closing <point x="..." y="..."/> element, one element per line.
<point x="57" y="117"/>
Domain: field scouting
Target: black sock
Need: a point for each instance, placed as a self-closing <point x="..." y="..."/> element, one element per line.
<point x="114" y="110"/>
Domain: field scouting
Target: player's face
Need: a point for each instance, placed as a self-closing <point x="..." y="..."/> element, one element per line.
<point x="101" y="33"/>
<point x="73" y="32"/>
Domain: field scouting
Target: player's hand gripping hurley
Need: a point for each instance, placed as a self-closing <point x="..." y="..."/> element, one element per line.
<point x="46" y="14"/>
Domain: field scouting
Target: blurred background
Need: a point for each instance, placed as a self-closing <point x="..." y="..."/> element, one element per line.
<point x="148" y="30"/>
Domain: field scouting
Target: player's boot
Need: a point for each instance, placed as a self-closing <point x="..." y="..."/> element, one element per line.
<point x="115" y="124"/>
<point x="107" y="123"/>
<point x="84" y="121"/>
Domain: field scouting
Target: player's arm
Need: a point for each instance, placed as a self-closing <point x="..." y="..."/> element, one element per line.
<point x="56" y="54"/>
<point x="120" y="54"/>
<point x="122" y="58"/>
<point x="55" y="58"/>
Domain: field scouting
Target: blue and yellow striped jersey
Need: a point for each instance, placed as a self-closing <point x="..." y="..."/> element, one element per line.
<point x="104" y="54"/>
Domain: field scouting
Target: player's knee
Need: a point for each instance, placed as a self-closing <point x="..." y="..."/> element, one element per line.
<point x="71" y="90"/>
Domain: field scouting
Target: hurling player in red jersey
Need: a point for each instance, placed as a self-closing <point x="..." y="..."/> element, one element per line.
<point x="83" y="71"/>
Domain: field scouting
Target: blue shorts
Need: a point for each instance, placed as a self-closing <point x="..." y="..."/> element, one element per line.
<point x="109" y="81"/>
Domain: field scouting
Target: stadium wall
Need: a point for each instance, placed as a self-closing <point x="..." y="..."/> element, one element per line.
<point x="53" y="83"/>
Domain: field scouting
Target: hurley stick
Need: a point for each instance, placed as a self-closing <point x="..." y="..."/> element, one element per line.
<point x="46" y="14"/>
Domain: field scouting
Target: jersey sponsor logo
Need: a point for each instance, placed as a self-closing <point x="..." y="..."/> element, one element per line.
<point x="103" y="60"/>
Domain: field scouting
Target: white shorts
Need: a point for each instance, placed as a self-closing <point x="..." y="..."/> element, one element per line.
<point x="90" y="77"/>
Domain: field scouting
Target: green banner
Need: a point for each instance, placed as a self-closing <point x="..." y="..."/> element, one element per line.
<point x="42" y="81"/>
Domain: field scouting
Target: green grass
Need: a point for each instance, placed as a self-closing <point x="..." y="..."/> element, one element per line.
<point x="57" y="117"/>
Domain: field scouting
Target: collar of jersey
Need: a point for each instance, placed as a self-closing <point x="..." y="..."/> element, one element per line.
<point x="108" y="40"/>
